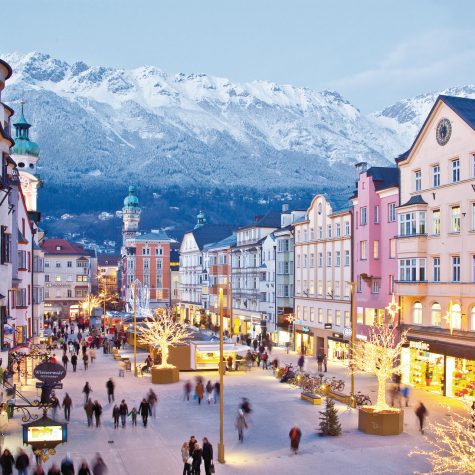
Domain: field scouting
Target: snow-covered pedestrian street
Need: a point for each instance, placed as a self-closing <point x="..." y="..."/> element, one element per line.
<point x="265" y="450"/>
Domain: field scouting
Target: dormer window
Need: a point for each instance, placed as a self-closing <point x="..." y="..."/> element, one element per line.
<point x="58" y="248"/>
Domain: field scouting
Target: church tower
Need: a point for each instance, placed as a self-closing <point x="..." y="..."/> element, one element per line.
<point x="130" y="215"/>
<point x="26" y="155"/>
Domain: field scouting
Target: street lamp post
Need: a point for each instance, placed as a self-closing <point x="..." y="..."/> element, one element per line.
<point x="353" y="339"/>
<point x="135" y="327"/>
<point x="291" y="319"/>
<point x="221" y="381"/>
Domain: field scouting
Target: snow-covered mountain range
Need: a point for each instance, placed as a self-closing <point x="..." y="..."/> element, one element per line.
<point x="101" y="129"/>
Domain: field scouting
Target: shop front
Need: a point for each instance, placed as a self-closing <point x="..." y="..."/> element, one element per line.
<point x="441" y="367"/>
<point x="304" y="340"/>
<point x="338" y="348"/>
<point x="246" y="323"/>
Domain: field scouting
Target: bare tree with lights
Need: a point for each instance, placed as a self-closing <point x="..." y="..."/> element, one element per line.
<point x="161" y="330"/>
<point x="451" y="446"/>
<point x="379" y="355"/>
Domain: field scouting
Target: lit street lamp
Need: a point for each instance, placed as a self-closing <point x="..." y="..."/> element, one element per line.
<point x="291" y="319"/>
<point x="221" y="381"/>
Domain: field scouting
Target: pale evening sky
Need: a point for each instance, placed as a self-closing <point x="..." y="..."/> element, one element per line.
<point x="374" y="52"/>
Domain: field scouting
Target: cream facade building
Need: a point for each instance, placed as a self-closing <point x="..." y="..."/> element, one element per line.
<point x="322" y="280"/>
<point x="436" y="251"/>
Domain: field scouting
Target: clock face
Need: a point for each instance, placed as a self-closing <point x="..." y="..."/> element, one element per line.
<point x="443" y="131"/>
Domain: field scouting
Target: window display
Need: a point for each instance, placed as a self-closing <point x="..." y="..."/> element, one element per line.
<point x="427" y="371"/>
<point x="460" y="378"/>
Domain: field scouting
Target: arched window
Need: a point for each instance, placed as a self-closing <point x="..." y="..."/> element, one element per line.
<point x="417" y="313"/>
<point x="436" y="314"/>
<point x="456" y="317"/>
<point x="472" y="319"/>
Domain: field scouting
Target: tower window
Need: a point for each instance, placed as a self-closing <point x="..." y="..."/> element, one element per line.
<point x="31" y="165"/>
<point x="21" y="165"/>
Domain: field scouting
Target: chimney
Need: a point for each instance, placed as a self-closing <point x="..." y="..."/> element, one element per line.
<point x="285" y="208"/>
<point x="361" y="167"/>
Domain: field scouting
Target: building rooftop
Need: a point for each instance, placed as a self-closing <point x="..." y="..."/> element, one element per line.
<point x="414" y="200"/>
<point x="153" y="236"/>
<point x="211" y="233"/>
<point x="462" y="106"/>
<point x="228" y="241"/>
<point x="270" y="220"/>
<point x="62" y="247"/>
<point x="107" y="260"/>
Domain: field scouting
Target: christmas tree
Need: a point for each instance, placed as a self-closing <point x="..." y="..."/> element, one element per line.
<point x="329" y="423"/>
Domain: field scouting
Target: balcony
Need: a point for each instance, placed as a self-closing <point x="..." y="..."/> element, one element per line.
<point x="412" y="244"/>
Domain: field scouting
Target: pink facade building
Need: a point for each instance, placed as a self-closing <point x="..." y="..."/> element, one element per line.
<point x="374" y="243"/>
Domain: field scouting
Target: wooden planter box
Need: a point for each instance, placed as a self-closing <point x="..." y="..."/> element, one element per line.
<point x="164" y="375"/>
<point x="311" y="398"/>
<point x="380" y="423"/>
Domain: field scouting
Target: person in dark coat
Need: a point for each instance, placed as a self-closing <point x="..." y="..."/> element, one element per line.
<point x="144" y="411"/>
<point x="197" y="456"/>
<point x="207" y="455"/>
<point x="84" y="469"/>
<point x="115" y="416"/>
<point x="98" y="466"/>
<point x="65" y="360"/>
<point x="97" y="413"/>
<point x="191" y="444"/>
<point x="6" y="462"/>
<point x="421" y="413"/>
<point x="301" y="362"/>
<point x="22" y="462"/>
<point x="67" y="466"/>
<point x="86" y="390"/>
<point x="89" y="409"/>
<point x="67" y="403"/>
<point x="110" y="390"/>
<point x="123" y="411"/>
<point x="74" y="361"/>
<point x="54" y="470"/>
<point x="295" y="435"/>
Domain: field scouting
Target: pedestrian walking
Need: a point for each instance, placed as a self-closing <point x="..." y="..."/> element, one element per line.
<point x="197" y="456"/>
<point x="98" y="466"/>
<point x="187" y="390"/>
<point x="89" y="409"/>
<point x="67" y="403"/>
<point x="209" y="391"/>
<point x="207" y="456"/>
<point x="405" y="394"/>
<point x="240" y="424"/>
<point x="74" y="361"/>
<point x="191" y="444"/>
<point x="67" y="466"/>
<point x="38" y="470"/>
<point x="54" y="470"/>
<point x="84" y="469"/>
<point x="123" y="411"/>
<point x="22" y="462"/>
<point x="7" y="462"/>
<point x="320" y="362"/>
<point x="473" y="415"/>
<point x="133" y="414"/>
<point x="421" y="413"/>
<point x="199" y="391"/>
<point x="54" y="401"/>
<point x="85" y="360"/>
<point x="217" y="389"/>
<point x="152" y="399"/>
<point x="86" y="390"/>
<point x="144" y="411"/>
<point x="92" y="355"/>
<point x="187" y="460"/>
<point x="110" y="390"/>
<point x="325" y="362"/>
<point x="295" y="435"/>
<point x="230" y="363"/>
<point x="265" y="358"/>
<point x="301" y="362"/>
<point x="115" y="416"/>
<point x="65" y="360"/>
<point x="97" y="412"/>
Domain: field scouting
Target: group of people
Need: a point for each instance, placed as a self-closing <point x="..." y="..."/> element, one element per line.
<point x="22" y="464"/>
<point x="211" y="390"/>
<point x="193" y="454"/>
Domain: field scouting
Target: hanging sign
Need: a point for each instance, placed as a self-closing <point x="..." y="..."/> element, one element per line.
<point x="49" y="372"/>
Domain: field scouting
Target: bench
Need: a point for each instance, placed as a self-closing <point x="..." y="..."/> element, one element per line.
<point x="340" y="397"/>
<point x="311" y="398"/>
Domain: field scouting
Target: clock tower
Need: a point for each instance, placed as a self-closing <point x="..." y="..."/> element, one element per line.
<point x="25" y="153"/>
<point x="130" y="215"/>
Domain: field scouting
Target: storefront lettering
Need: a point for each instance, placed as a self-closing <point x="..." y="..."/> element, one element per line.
<point x="419" y="345"/>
